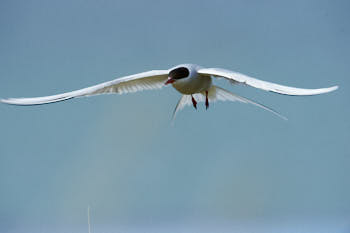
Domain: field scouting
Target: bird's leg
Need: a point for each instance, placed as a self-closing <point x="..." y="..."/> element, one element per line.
<point x="206" y="100"/>
<point x="194" y="102"/>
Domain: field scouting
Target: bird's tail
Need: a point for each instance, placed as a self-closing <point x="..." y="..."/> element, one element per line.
<point x="216" y="93"/>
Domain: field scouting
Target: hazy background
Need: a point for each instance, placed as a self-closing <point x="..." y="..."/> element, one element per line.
<point x="233" y="168"/>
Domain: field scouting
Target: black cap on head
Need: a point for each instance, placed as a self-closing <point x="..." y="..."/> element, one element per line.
<point x="179" y="73"/>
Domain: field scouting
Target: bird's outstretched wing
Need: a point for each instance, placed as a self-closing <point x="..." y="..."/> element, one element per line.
<point x="154" y="79"/>
<point x="267" y="86"/>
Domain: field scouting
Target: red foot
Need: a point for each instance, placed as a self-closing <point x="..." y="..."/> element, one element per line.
<point x="194" y="102"/>
<point x="206" y="100"/>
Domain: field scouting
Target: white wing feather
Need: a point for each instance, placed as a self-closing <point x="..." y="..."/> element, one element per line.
<point x="267" y="86"/>
<point x="154" y="79"/>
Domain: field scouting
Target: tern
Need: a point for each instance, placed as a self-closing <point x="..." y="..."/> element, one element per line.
<point x="192" y="81"/>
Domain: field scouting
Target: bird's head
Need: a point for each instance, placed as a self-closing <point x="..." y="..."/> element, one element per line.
<point x="177" y="73"/>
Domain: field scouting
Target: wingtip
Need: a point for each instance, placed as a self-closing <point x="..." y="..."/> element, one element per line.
<point x="326" y="90"/>
<point x="4" y="101"/>
<point x="334" y="88"/>
<point x="12" y="101"/>
<point x="7" y="101"/>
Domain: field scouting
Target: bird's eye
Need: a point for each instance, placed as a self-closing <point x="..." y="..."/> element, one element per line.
<point x="179" y="73"/>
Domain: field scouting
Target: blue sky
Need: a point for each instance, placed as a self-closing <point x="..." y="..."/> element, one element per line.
<point x="121" y="155"/>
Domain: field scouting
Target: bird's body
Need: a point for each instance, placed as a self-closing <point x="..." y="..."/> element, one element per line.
<point x="192" y="81"/>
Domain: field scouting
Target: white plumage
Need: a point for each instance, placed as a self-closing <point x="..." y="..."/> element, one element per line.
<point x="193" y="81"/>
<point x="267" y="86"/>
<point x="143" y="81"/>
<point x="216" y="93"/>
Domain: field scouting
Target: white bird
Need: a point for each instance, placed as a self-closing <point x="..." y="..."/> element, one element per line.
<point x="192" y="81"/>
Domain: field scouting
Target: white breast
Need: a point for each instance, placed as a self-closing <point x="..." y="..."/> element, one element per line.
<point x="194" y="84"/>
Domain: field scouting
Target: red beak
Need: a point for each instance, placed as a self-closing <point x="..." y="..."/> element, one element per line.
<point x="170" y="80"/>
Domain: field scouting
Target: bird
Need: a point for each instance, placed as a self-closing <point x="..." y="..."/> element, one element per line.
<point x="192" y="81"/>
